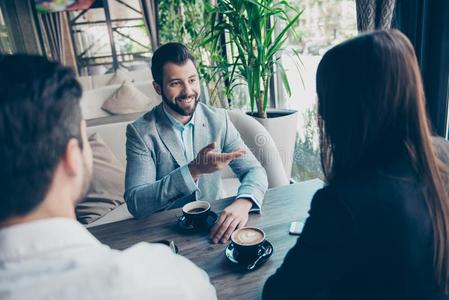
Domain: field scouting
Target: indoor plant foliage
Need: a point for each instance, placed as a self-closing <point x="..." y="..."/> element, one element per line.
<point x="185" y="21"/>
<point x="253" y="45"/>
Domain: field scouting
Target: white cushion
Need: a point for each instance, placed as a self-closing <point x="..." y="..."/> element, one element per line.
<point x="92" y="100"/>
<point x="114" y="135"/>
<point x="126" y="100"/>
<point x="120" y="76"/>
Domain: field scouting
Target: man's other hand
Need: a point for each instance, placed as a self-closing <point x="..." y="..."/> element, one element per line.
<point x="231" y="218"/>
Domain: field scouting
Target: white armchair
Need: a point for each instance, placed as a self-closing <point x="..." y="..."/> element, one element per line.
<point x="261" y="144"/>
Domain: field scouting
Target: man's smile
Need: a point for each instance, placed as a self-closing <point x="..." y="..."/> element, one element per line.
<point x="185" y="100"/>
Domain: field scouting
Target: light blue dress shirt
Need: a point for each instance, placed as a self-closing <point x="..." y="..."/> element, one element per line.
<point x="185" y="135"/>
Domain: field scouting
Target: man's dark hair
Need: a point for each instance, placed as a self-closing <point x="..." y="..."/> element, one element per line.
<point x="175" y="53"/>
<point x="39" y="113"/>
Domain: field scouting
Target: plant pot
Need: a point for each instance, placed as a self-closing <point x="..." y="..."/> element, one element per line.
<point x="282" y="125"/>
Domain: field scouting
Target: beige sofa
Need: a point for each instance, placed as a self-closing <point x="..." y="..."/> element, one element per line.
<point x="92" y="100"/>
<point x="99" y="81"/>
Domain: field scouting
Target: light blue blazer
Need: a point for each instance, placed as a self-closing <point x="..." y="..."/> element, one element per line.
<point x="157" y="176"/>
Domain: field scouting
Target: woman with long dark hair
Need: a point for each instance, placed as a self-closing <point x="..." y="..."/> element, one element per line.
<point x="380" y="227"/>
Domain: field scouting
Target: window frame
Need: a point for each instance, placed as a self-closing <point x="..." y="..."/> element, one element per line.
<point x="111" y="29"/>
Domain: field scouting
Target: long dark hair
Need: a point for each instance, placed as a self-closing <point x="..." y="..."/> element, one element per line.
<point x="371" y="108"/>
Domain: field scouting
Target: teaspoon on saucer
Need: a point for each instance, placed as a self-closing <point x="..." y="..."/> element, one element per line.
<point x="266" y="252"/>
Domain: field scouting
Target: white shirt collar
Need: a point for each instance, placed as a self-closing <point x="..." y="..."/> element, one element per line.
<point x="175" y="122"/>
<point x="43" y="236"/>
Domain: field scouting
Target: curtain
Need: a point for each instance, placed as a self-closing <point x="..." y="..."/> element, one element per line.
<point x="23" y="33"/>
<point x="57" y="40"/>
<point x="149" y="10"/>
<point x="426" y="24"/>
<point x="374" y="14"/>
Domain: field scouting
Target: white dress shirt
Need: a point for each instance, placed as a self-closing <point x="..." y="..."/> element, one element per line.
<point x="58" y="258"/>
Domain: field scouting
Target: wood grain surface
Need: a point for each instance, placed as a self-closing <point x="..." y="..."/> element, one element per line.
<point x="281" y="206"/>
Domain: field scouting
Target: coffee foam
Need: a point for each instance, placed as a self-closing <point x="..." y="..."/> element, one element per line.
<point x="248" y="236"/>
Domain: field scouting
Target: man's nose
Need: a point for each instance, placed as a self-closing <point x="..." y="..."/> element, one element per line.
<point x="187" y="89"/>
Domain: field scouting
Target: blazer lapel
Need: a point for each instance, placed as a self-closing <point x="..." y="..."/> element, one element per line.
<point x="168" y="136"/>
<point x="201" y="134"/>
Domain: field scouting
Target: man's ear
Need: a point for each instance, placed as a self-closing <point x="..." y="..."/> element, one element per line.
<point x="72" y="159"/>
<point x="157" y="88"/>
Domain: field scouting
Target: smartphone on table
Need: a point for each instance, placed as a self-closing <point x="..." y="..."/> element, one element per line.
<point x="296" y="227"/>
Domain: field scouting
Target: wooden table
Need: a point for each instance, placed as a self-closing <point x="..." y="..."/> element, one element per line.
<point x="281" y="206"/>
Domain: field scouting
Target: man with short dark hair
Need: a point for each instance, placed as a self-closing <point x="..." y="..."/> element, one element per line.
<point x="175" y="150"/>
<point x="46" y="166"/>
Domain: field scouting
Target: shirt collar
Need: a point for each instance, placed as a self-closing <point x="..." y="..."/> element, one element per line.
<point x="42" y="236"/>
<point x="176" y="123"/>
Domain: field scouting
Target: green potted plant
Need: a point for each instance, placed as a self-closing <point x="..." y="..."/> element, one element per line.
<point x="253" y="56"/>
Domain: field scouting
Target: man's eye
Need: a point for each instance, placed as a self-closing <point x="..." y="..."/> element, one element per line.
<point x="174" y="83"/>
<point x="193" y="80"/>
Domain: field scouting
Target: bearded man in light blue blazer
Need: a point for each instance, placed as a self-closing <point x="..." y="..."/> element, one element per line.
<point x="176" y="150"/>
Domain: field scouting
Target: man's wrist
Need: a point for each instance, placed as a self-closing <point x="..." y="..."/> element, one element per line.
<point x="194" y="171"/>
<point x="246" y="202"/>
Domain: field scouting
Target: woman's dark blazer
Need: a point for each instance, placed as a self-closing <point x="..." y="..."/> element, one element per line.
<point x="370" y="237"/>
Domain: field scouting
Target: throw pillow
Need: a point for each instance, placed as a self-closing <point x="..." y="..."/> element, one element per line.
<point x="119" y="77"/>
<point x="107" y="186"/>
<point x="127" y="99"/>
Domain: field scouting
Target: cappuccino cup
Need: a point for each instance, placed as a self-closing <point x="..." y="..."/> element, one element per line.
<point x="196" y="212"/>
<point x="247" y="241"/>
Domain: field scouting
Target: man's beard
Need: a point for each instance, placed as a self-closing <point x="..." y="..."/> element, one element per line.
<point x="178" y="109"/>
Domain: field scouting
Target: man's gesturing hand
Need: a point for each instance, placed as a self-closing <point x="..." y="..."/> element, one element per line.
<point x="232" y="217"/>
<point x="208" y="161"/>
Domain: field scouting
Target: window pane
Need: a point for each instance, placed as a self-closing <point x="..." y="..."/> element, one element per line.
<point x="125" y="9"/>
<point x="92" y="47"/>
<point x="322" y="25"/>
<point x="97" y="50"/>
<point x="131" y="37"/>
<point x="91" y="15"/>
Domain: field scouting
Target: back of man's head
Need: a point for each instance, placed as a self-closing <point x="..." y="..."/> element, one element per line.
<point x="175" y="53"/>
<point x="39" y="114"/>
